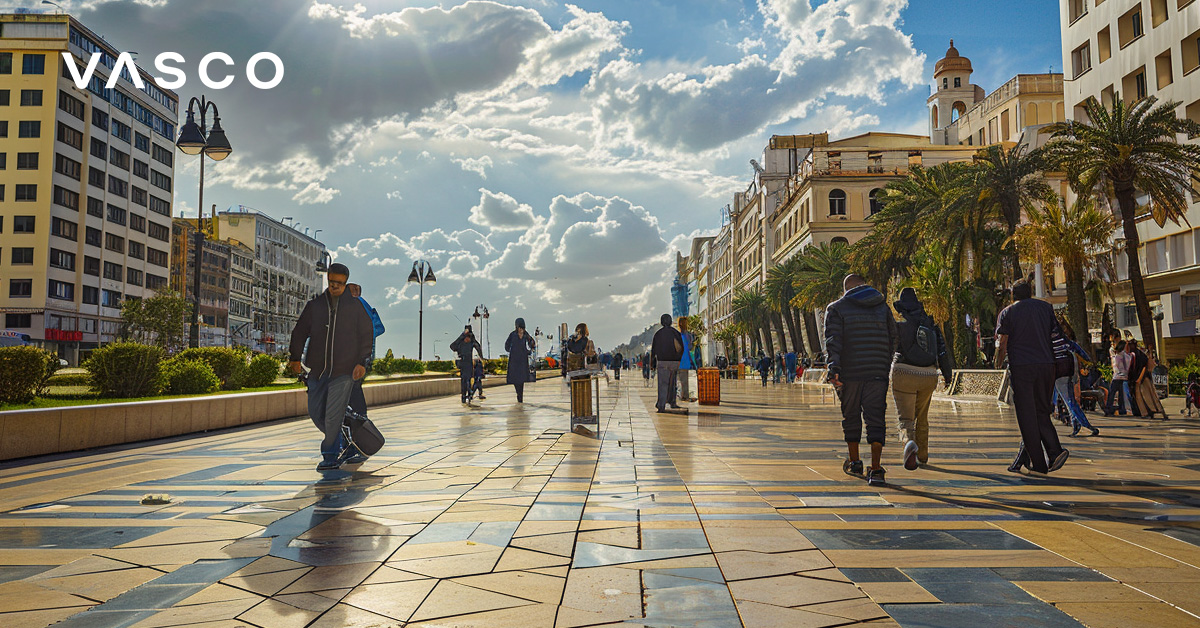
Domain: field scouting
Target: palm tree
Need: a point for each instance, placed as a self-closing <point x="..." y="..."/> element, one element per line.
<point x="1075" y="235"/>
<point x="1011" y="179"/>
<point x="824" y="267"/>
<point x="1125" y="150"/>
<point x="780" y="292"/>
<point x="750" y="307"/>
<point x="727" y="336"/>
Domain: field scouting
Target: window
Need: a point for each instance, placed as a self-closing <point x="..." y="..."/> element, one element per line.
<point x="99" y="119"/>
<point x="159" y="206"/>
<point x="156" y="257"/>
<point x="29" y="128"/>
<point x="91" y="295"/>
<point x="113" y="271"/>
<point x="66" y="198"/>
<point x="96" y="177"/>
<point x="95" y="207"/>
<point x="23" y="224"/>
<point x="116" y="215"/>
<point x="133" y="276"/>
<point x="837" y="203"/>
<point x="945" y="83"/>
<point x="141" y="169"/>
<point x="118" y="187"/>
<point x="137" y="250"/>
<point x="1162" y="68"/>
<point x="163" y="155"/>
<point x="141" y="142"/>
<point x="1129" y="26"/>
<point x="876" y="205"/>
<point x="92" y="236"/>
<point x="1137" y="24"/>
<point x="64" y="229"/>
<point x="27" y="161"/>
<point x="26" y="192"/>
<point x="70" y="137"/>
<point x="1191" y="306"/>
<point x="1104" y="44"/>
<point x="99" y="149"/>
<point x="21" y="256"/>
<point x="91" y="266"/>
<point x="114" y="243"/>
<point x="137" y="195"/>
<point x="33" y="64"/>
<point x="18" y="321"/>
<point x="839" y="240"/>
<point x="159" y="232"/>
<point x="62" y="259"/>
<point x="1140" y="85"/>
<point x="3" y="128"/>
<point x="1158" y="12"/>
<point x="1078" y="9"/>
<point x="6" y="62"/>
<point x="20" y="288"/>
<point x="137" y="223"/>
<point x="1081" y="59"/>
<point x="66" y="166"/>
<point x="110" y="298"/>
<point x="61" y="290"/>
<point x="155" y="282"/>
<point x="118" y="158"/>
<point x="160" y="180"/>
<point x="3" y="161"/>
<point x="5" y="98"/>
<point x="71" y="105"/>
<point x="120" y="130"/>
<point x="958" y="81"/>
<point x="31" y="98"/>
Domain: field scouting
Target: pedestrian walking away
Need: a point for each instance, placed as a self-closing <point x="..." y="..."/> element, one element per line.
<point x="686" y="360"/>
<point x="618" y="362"/>
<point x="339" y="336"/>
<point x="920" y="355"/>
<point x="789" y="361"/>
<point x="477" y="378"/>
<point x="463" y="346"/>
<point x="1141" y="376"/>
<point x="1066" y="386"/>
<point x="666" y="351"/>
<point x="1025" y="331"/>
<point x="860" y="343"/>
<point x="763" y="367"/>
<point x="519" y="346"/>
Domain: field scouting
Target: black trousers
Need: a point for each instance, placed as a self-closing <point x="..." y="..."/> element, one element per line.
<point x="465" y="371"/>
<point x="520" y="386"/>
<point x="358" y="400"/>
<point x="1033" y="386"/>
<point x="864" y="402"/>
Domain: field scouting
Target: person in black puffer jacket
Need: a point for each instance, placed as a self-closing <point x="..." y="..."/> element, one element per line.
<point x="860" y="340"/>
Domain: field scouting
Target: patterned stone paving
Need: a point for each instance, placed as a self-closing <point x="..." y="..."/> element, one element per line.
<point x="497" y="516"/>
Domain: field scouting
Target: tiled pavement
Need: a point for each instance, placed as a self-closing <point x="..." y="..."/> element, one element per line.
<point x="497" y="516"/>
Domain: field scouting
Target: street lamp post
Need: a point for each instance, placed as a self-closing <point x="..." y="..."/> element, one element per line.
<point x="422" y="273"/>
<point x="485" y="316"/>
<point x="197" y="140"/>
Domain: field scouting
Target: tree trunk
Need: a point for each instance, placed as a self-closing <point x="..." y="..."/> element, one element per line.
<point x="1077" y="308"/>
<point x="1012" y="216"/>
<point x="777" y="319"/>
<point x="1128" y="204"/>
<point x="765" y="330"/>
<point x="789" y="317"/>
<point x="1107" y="329"/>
<point x="951" y="347"/>
<point x="810" y="328"/>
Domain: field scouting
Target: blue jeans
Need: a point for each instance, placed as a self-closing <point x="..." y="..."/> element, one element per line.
<point x="327" y="401"/>
<point x="1118" y="391"/>
<point x="1062" y="387"/>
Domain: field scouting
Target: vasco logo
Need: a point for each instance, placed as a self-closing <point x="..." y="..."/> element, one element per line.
<point x="124" y="66"/>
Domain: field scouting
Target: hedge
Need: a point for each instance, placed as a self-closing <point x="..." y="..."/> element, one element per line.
<point x="262" y="371"/>
<point x="126" y="369"/>
<point x="70" y="379"/>
<point x="441" y="366"/>
<point x="23" y="372"/>
<point x="228" y="364"/>
<point x="188" y="377"/>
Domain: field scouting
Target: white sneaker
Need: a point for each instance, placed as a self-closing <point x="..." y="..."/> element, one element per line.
<point x="910" y="455"/>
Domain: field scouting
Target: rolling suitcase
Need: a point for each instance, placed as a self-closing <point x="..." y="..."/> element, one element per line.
<point x="363" y="433"/>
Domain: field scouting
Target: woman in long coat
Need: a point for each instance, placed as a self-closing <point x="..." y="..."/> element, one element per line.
<point x="519" y="345"/>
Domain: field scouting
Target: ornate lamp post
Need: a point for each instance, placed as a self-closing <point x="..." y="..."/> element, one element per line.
<point x="422" y="273"/>
<point x="196" y="139"/>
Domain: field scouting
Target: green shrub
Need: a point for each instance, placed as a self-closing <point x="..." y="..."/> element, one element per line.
<point x="23" y="371"/>
<point x="262" y="371"/>
<point x="70" y="379"/>
<point x="188" y="377"/>
<point x="441" y="366"/>
<point x="126" y="369"/>
<point x="229" y="365"/>
<point x="1177" y="375"/>
<point x="408" y="365"/>
<point x="496" y="366"/>
<point x="384" y="366"/>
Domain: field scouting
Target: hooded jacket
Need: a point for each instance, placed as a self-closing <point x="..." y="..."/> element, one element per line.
<point x="860" y="336"/>
<point x="339" y="333"/>
<point x="906" y="332"/>
<point x="519" y="349"/>
<point x="463" y="346"/>
<point x="663" y="347"/>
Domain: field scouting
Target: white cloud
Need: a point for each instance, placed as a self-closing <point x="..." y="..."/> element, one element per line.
<point x="500" y="212"/>
<point x="478" y="165"/>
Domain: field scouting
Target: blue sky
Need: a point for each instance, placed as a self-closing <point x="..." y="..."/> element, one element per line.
<point x="548" y="157"/>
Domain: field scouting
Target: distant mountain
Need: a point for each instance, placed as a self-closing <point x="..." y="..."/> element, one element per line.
<point x="640" y="343"/>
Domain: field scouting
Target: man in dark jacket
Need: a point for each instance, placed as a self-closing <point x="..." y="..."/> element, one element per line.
<point x="666" y="351"/>
<point x="860" y="340"/>
<point x="463" y="346"/>
<point x="340" y="335"/>
<point x="519" y="345"/>
<point x="618" y="361"/>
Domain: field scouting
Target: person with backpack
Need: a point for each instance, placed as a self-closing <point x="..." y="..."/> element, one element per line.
<point x="764" y="368"/>
<point x="921" y="355"/>
<point x="686" y="360"/>
<point x="463" y="346"/>
<point x="477" y="379"/>
<point x="358" y="401"/>
<point x="519" y="347"/>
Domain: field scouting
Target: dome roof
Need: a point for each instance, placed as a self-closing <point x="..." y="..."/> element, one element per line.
<point x="952" y="62"/>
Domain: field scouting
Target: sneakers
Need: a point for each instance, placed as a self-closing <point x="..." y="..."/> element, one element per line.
<point x="852" y="467"/>
<point x="329" y="463"/>
<point x="910" y="455"/>
<point x="875" y="477"/>
<point x="1060" y="460"/>
<point x="1095" y="432"/>
<point x="1075" y="430"/>
<point x="356" y="457"/>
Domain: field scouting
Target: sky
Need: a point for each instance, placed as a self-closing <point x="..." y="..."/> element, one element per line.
<point x="548" y="158"/>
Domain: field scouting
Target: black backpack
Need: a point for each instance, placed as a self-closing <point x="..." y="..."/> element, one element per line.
<point x="923" y="350"/>
<point x="577" y="345"/>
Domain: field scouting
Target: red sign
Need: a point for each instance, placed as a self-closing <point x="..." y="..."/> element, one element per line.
<point x="64" y="336"/>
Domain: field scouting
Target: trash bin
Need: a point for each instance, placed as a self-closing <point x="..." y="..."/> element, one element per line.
<point x="741" y="371"/>
<point x="585" y="399"/>
<point x="709" y="380"/>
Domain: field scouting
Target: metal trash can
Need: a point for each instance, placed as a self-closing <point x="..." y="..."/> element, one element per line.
<point x="585" y="399"/>
<point x="709" y="380"/>
<point x="741" y="371"/>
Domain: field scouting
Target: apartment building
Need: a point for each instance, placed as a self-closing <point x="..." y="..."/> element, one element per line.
<point x="215" y="264"/>
<point x="1132" y="49"/>
<point x="241" y="294"/>
<point x="86" y="180"/>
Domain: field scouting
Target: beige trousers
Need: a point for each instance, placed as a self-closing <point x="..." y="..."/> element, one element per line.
<point x="912" y="390"/>
<point x="1147" y="398"/>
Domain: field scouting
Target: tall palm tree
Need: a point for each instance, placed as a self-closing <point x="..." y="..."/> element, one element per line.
<point x="1124" y="150"/>
<point x="1011" y="179"/>
<point x="1076" y="235"/>
<point x="751" y="308"/>
<point x="780" y="292"/>
<point x="824" y="267"/>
